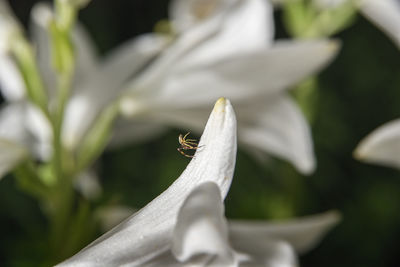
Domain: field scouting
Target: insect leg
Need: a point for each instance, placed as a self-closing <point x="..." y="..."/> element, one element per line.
<point x="183" y="153"/>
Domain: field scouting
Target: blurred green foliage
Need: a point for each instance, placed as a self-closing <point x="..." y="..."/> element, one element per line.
<point x="359" y="91"/>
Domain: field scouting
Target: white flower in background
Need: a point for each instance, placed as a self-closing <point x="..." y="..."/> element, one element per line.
<point x="385" y="14"/>
<point x="30" y="131"/>
<point x="227" y="48"/>
<point x="185" y="225"/>
<point x="382" y="146"/>
<point x="222" y="48"/>
<point x="96" y="81"/>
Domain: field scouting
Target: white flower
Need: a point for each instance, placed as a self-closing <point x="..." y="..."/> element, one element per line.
<point x="385" y="14"/>
<point x="228" y="52"/>
<point x="185" y="225"/>
<point x="226" y="48"/>
<point x="91" y="75"/>
<point x="382" y="146"/>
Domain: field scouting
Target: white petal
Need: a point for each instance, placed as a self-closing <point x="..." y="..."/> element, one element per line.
<point x="39" y="28"/>
<point x="38" y="125"/>
<point x="11" y="81"/>
<point x="244" y="26"/>
<point x="302" y="233"/>
<point x="85" y="53"/>
<point x="147" y="233"/>
<point x="185" y="14"/>
<point x="106" y="84"/>
<point x="385" y="14"/>
<point x="86" y="58"/>
<point x="10" y="155"/>
<point x="151" y="79"/>
<point x="276" y="125"/>
<point x="12" y="123"/>
<point x="382" y="146"/>
<point x="131" y="57"/>
<point x="13" y="137"/>
<point x="201" y="227"/>
<point x="247" y="75"/>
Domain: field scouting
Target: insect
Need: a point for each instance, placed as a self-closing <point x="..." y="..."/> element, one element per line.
<point x="186" y="144"/>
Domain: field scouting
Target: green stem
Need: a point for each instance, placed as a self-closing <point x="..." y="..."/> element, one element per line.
<point x="28" y="180"/>
<point x="60" y="212"/>
<point x="64" y="82"/>
<point x="97" y="138"/>
<point x="26" y="61"/>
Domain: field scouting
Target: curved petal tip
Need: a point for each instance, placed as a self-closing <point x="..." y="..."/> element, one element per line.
<point x="220" y="104"/>
<point x="382" y="146"/>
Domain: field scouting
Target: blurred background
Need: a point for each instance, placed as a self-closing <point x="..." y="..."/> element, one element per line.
<point x="358" y="92"/>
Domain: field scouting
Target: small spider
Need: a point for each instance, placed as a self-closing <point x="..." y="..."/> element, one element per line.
<point x="186" y="144"/>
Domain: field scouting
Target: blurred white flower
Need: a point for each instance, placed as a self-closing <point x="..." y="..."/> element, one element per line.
<point x="185" y="225"/>
<point x="227" y="48"/>
<point x="99" y="78"/>
<point x="382" y="146"/>
<point x="385" y="14"/>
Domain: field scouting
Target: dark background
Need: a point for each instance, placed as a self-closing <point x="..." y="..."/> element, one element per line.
<point x="358" y="92"/>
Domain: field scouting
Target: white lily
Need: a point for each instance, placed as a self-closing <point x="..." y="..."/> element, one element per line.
<point x="382" y="146"/>
<point x="385" y="14"/>
<point x="226" y="48"/>
<point x="210" y="54"/>
<point x="210" y="58"/>
<point x="185" y="225"/>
